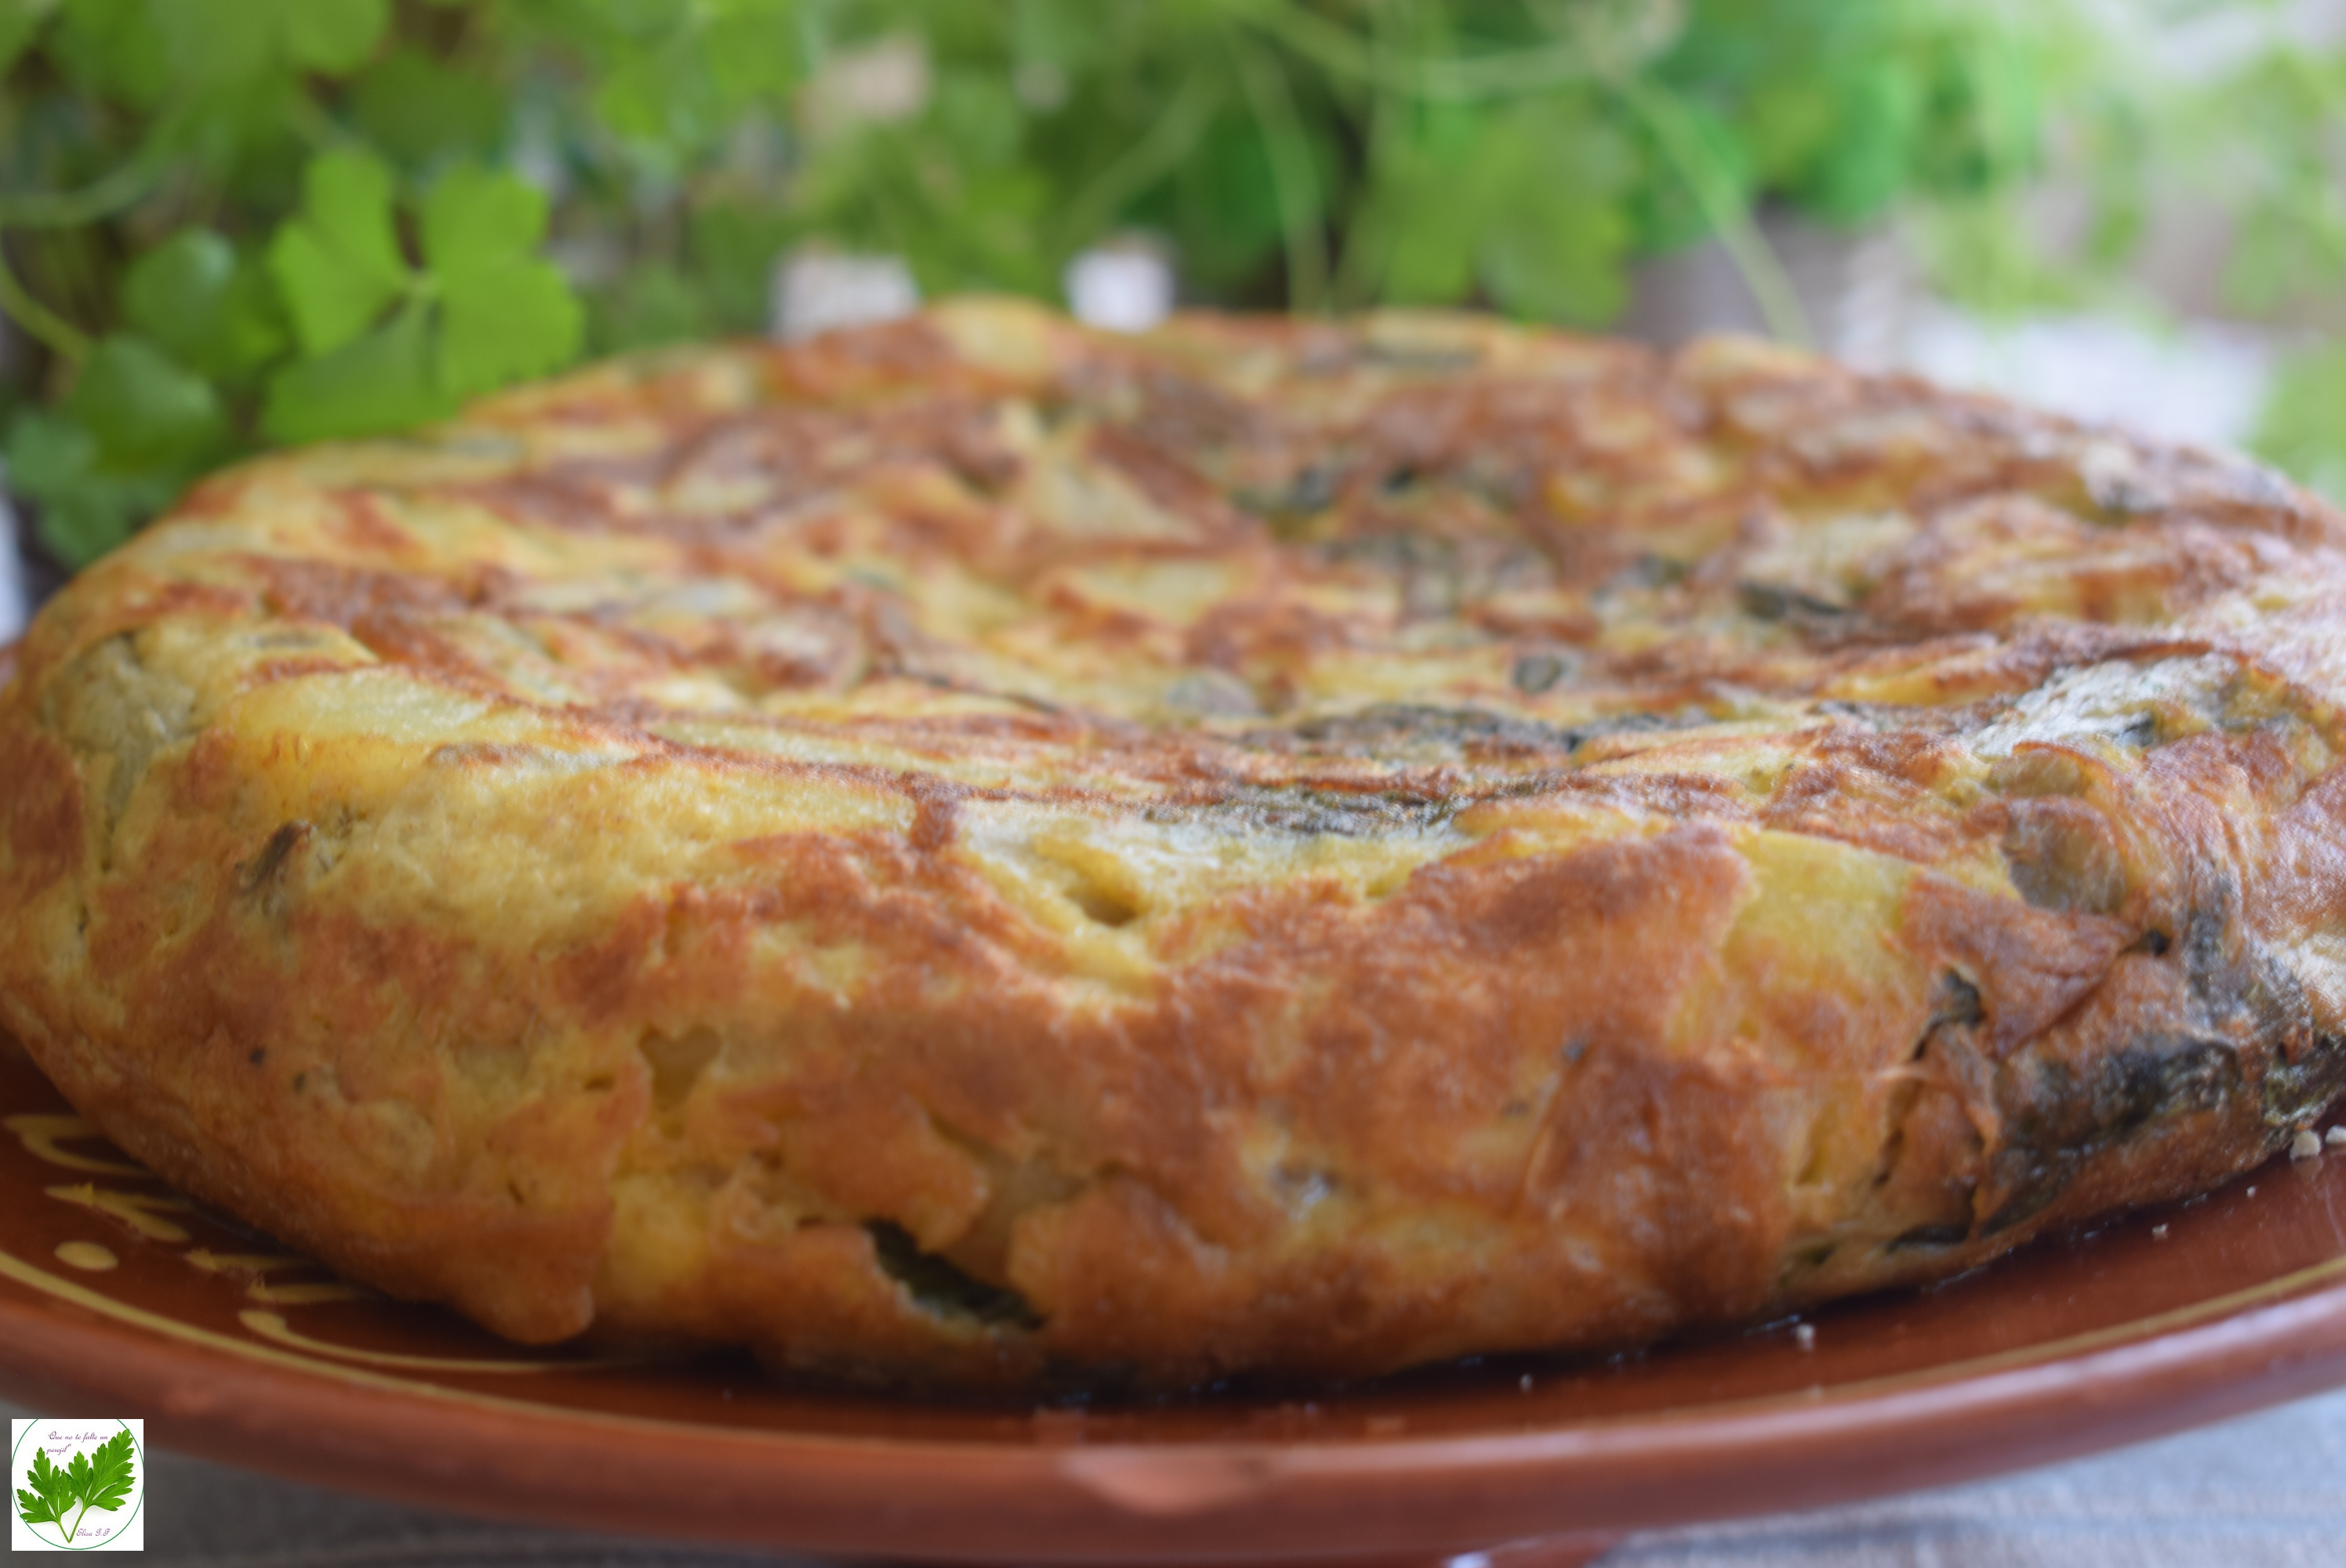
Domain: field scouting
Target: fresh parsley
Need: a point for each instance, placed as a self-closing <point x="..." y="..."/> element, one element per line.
<point x="2303" y="427"/>
<point x="100" y="1478"/>
<point x="389" y="343"/>
<point x="228" y="224"/>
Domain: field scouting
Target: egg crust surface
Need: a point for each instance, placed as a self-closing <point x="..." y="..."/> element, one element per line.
<point x="975" y="853"/>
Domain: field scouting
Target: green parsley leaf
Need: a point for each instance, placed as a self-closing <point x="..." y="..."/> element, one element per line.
<point x="336" y="263"/>
<point x="2302" y="427"/>
<point x="50" y="1495"/>
<point x="47" y="453"/>
<point x="753" y="48"/>
<point x="211" y="310"/>
<point x="1558" y="246"/>
<point x="222" y="42"/>
<point x="217" y="42"/>
<point x="378" y="382"/>
<point x="417" y="111"/>
<point x="331" y="36"/>
<point x="474" y="216"/>
<point x="505" y="314"/>
<point x="676" y="74"/>
<point x="112" y="49"/>
<point x="88" y="513"/>
<point x="1861" y="169"/>
<point x="106" y="1486"/>
<point x="1983" y="128"/>
<point x="1429" y="210"/>
<point x="483" y="311"/>
<point x="2291" y="242"/>
<point x="1525" y="204"/>
<point x="136" y="428"/>
<point x="146" y="412"/>
<point x="182" y="278"/>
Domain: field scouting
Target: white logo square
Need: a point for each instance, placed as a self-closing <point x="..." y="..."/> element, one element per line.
<point x="77" y="1484"/>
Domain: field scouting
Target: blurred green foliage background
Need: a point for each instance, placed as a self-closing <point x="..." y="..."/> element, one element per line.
<point x="232" y="223"/>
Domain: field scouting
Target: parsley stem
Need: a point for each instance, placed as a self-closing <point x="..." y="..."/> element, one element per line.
<point x="1294" y="183"/>
<point x="1394" y="25"/>
<point x="102" y="196"/>
<point x="1146" y="161"/>
<point x="1723" y="208"/>
<point x="48" y="329"/>
<point x="1499" y="73"/>
<point x="71" y="208"/>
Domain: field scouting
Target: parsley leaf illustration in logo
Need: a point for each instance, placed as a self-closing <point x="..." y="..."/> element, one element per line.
<point x="51" y="1496"/>
<point x="106" y="1486"/>
<point x="100" y="1478"/>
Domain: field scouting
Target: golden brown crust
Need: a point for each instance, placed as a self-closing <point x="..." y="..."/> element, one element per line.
<point x="977" y="853"/>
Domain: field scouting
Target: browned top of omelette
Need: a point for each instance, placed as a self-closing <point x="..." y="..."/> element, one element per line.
<point x="977" y="851"/>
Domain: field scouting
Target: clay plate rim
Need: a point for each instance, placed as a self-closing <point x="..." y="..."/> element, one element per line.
<point x="1134" y="1502"/>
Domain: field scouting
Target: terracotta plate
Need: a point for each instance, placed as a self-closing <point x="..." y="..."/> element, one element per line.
<point x="118" y="1297"/>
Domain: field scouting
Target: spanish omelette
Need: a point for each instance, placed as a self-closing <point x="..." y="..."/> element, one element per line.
<point x="976" y="853"/>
